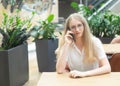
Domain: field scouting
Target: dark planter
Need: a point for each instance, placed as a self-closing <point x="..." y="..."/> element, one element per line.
<point x="105" y="40"/>
<point x="14" y="66"/>
<point x="46" y="57"/>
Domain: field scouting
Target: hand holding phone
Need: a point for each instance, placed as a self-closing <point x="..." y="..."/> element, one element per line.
<point x="72" y="36"/>
<point x="69" y="37"/>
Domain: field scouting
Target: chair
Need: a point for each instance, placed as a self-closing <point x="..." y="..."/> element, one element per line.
<point x="115" y="62"/>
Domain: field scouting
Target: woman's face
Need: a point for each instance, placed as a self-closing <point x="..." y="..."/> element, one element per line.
<point x="76" y="27"/>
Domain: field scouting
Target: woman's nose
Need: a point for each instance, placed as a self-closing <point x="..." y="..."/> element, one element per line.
<point x="77" y="28"/>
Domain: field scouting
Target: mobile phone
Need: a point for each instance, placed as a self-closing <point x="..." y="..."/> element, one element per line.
<point x="72" y="36"/>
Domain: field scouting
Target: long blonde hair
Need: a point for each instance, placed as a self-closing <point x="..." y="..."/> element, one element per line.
<point x="87" y="38"/>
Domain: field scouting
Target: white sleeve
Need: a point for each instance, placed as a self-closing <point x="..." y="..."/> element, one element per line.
<point x="99" y="49"/>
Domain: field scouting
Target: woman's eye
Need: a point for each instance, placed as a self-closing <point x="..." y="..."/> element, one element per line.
<point x="79" y="25"/>
<point x="73" y="27"/>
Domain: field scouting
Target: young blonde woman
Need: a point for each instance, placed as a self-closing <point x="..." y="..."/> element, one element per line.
<point x="79" y="52"/>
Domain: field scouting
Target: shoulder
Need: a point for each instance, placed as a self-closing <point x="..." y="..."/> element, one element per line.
<point x="97" y="43"/>
<point x="98" y="46"/>
<point x="96" y="40"/>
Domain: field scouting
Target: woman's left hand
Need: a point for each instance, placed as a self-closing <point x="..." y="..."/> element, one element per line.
<point x="77" y="74"/>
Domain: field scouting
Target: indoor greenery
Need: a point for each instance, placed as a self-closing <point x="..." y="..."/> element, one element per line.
<point x="102" y="24"/>
<point x="14" y="31"/>
<point x="45" y="29"/>
<point x="105" y="24"/>
<point x="46" y="43"/>
<point x="82" y="9"/>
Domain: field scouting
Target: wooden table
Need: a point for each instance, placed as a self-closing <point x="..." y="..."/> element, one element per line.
<point x="111" y="48"/>
<point x="54" y="79"/>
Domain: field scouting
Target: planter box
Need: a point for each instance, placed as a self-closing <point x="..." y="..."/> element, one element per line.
<point x="14" y="66"/>
<point x="105" y="40"/>
<point x="46" y="57"/>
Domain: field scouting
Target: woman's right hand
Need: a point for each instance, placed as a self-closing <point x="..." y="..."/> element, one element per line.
<point x="68" y="37"/>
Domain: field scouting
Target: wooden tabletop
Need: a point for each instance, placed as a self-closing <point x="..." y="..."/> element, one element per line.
<point x="111" y="48"/>
<point x="54" y="79"/>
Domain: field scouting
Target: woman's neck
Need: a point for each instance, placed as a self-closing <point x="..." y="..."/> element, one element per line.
<point x="79" y="43"/>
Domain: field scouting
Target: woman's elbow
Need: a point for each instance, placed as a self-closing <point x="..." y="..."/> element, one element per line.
<point x="59" y="71"/>
<point x="108" y="68"/>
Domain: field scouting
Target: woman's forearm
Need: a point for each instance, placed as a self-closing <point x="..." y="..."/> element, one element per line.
<point x="104" y="68"/>
<point x="61" y="62"/>
<point x="98" y="71"/>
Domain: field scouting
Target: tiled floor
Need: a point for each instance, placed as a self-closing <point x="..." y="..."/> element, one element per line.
<point x="34" y="74"/>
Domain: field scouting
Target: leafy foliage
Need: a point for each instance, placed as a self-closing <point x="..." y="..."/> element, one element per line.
<point x="82" y="9"/>
<point x="14" y="31"/>
<point x="45" y="29"/>
<point x="102" y="24"/>
<point x="105" y="24"/>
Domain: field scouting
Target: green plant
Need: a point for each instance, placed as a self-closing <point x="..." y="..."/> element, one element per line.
<point x="45" y="29"/>
<point x="14" y="30"/>
<point x="102" y="24"/>
<point x="82" y="9"/>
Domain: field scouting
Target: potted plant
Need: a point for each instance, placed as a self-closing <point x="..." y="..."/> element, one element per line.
<point x="46" y="43"/>
<point x="14" y="69"/>
<point x="104" y="25"/>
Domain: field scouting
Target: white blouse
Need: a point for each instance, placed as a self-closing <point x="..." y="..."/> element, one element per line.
<point x="75" y="57"/>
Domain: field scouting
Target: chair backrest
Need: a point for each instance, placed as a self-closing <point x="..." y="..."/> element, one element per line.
<point x="115" y="62"/>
